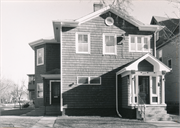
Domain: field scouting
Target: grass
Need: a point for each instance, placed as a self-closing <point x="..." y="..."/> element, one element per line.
<point x="15" y="112"/>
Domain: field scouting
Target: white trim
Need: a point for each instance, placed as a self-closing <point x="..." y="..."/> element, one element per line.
<point x="142" y="43"/>
<point x="115" y="39"/>
<point x="61" y="99"/>
<point x="51" y="76"/>
<point x="89" y="42"/>
<point x="107" y="21"/>
<point x="50" y="82"/>
<point x="37" y="90"/>
<point x="37" y="54"/>
<point x="89" y="78"/>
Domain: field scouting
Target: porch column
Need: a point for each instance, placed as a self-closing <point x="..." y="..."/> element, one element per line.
<point x="132" y="89"/>
<point x="163" y="90"/>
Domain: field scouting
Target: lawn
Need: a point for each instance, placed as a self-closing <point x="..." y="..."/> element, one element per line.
<point x="99" y="122"/>
<point x="16" y="112"/>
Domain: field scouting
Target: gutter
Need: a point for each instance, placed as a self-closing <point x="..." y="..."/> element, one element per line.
<point x="117" y="97"/>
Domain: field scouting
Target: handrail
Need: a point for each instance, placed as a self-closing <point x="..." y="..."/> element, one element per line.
<point x="141" y="107"/>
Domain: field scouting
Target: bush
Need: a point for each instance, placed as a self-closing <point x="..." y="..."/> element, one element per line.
<point x="25" y="105"/>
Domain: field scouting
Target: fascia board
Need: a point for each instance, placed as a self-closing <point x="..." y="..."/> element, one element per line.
<point x="150" y="28"/>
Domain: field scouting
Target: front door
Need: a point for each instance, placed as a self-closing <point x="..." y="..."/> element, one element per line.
<point x="55" y="92"/>
<point x="144" y="93"/>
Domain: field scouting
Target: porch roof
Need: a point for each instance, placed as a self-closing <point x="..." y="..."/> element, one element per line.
<point x="158" y="65"/>
<point x="52" y="74"/>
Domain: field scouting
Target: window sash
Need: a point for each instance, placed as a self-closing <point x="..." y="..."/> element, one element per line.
<point x="40" y="56"/>
<point x="91" y="80"/>
<point x="139" y="43"/>
<point x="39" y="90"/>
<point x="82" y="42"/>
<point x="109" y="44"/>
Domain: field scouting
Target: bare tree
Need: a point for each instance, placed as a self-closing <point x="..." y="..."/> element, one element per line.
<point x="120" y="5"/>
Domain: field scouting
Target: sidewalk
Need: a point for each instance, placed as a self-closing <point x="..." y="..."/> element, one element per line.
<point x="45" y="122"/>
<point x="165" y="124"/>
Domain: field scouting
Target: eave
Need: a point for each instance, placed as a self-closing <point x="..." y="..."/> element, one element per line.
<point x="50" y="76"/>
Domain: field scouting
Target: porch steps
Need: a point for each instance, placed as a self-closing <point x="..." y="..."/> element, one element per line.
<point x="156" y="113"/>
<point x="52" y="110"/>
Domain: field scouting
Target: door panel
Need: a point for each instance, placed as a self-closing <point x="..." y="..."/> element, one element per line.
<point x="55" y="93"/>
<point x="144" y="92"/>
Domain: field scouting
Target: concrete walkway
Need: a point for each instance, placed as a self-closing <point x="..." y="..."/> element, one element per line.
<point x="45" y="122"/>
<point x="165" y="124"/>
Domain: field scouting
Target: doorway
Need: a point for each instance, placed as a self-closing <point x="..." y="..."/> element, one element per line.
<point x="144" y="92"/>
<point x="55" y="92"/>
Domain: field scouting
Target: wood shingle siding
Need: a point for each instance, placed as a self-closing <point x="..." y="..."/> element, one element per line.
<point x="94" y="64"/>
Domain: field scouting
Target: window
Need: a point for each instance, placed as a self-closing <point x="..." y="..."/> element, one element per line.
<point x="169" y="63"/>
<point x="139" y="43"/>
<point x="92" y="80"/>
<point x="157" y="36"/>
<point x="160" y="55"/>
<point x="109" y="44"/>
<point x="39" y="90"/>
<point x="40" y="56"/>
<point x="82" y="43"/>
<point x="154" y="93"/>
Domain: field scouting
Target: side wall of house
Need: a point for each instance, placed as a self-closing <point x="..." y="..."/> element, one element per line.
<point x="51" y="61"/>
<point x="171" y="51"/>
<point x="94" y="64"/>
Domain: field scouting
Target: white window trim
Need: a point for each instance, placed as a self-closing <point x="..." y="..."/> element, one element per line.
<point x="157" y="90"/>
<point x="37" y="90"/>
<point x="42" y="56"/>
<point x="115" y="36"/>
<point x="142" y="40"/>
<point x="89" y="41"/>
<point x="88" y="80"/>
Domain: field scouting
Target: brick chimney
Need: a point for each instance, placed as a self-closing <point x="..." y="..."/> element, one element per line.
<point x="97" y="6"/>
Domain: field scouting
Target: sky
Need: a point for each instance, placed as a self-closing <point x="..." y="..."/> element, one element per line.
<point x="25" y="21"/>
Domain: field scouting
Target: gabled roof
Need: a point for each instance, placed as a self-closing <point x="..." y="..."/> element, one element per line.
<point x="119" y="13"/>
<point x="158" y="19"/>
<point x="158" y="65"/>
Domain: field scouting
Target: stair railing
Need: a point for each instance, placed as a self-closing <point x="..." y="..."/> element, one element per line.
<point x="142" y="107"/>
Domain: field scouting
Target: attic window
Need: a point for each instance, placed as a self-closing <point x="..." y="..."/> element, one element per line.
<point x="109" y="21"/>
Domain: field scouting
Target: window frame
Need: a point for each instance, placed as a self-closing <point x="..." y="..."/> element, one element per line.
<point x="40" y="91"/>
<point x="170" y="59"/>
<point x="37" y="56"/>
<point x="89" y="78"/>
<point x="89" y="41"/>
<point x="161" y="55"/>
<point x="142" y="43"/>
<point x="115" y="39"/>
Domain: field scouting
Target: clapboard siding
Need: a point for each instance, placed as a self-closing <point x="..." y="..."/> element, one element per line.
<point x="94" y="64"/>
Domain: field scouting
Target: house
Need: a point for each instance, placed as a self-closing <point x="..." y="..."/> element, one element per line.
<point x="168" y="52"/>
<point x="101" y="64"/>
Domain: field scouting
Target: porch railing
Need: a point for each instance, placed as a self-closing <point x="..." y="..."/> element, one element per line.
<point x="141" y="106"/>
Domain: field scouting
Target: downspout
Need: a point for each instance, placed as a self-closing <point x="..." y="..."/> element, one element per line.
<point x="155" y="43"/>
<point x="117" y="97"/>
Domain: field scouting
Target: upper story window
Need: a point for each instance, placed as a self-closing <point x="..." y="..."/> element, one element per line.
<point x="40" y="56"/>
<point x="169" y="63"/>
<point x="82" y="42"/>
<point x="109" y="44"/>
<point x="139" y="43"/>
<point x="160" y="55"/>
<point x="157" y="36"/>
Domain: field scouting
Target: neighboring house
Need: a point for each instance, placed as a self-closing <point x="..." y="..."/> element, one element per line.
<point x="31" y="86"/>
<point x="101" y="64"/>
<point x="168" y="50"/>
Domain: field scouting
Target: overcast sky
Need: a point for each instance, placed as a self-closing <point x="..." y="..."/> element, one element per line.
<point x="25" y="21"/>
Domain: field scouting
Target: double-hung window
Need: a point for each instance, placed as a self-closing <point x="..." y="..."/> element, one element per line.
<point x="160" y="55"/>
<point x="83" y="42"/>
<point x="109" y="44"/>
<point x="40" y="56"/>
<point x="39" y="90"/>
<point x="139" y="43"/>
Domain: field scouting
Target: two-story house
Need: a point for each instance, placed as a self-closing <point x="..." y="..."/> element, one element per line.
<point x="101" y="64"/>
<point x="168" y="52"/>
